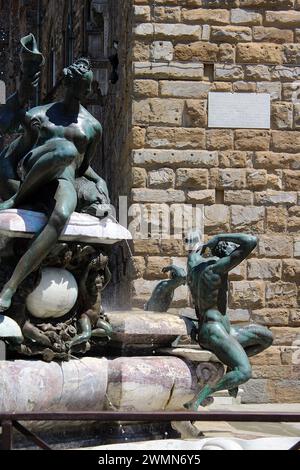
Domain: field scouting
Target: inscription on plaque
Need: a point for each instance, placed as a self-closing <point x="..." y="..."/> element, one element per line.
<point x="239" y="110"/>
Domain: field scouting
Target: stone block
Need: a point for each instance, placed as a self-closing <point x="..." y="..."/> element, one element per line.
<point x="264" y="269"/>
<point x="162" y="50"/>
<point x="207" y="196"/>
<point x="275" y="246"/>
<point x="142" y="13"/>
<point x="189" y="178"/>
<point x="274" y="4"/>
<point x="276" y="219"/>
<point x="175" y="138"/>
<point x="154" y="111"/>
<point x="285" y="73"/>
<point x="184" y="89"/>
<point x="195" y="113"/>
<point x="234" y="159"/>
<point x="271" y="317"/>
<point x="228" y="72"/>
<point x="255" y="391"/>
<point x="171" y="71"/>
<point x="291" y="270"/>
<point x="291" y="180"/>
<point x="247" y="219"/>
<point x="294" y="219"/>
<point x="272" y="160"/>
<point x="247" y="294"/>
<point x="270" y="197"/>
<point x="142" y="88"/>
<point x="206" y="16"/>
<point x="271" y="35"/>
<point x="282" y="115"/>
<point x="227" y="53"/>
<point x="245" y="17"/>
<point x="240" y="197"/>
<point x="269" y="357"/>
<point x="163" y="178"/>
<point x="216" y="219"/>
<point x="286" y="141"/>
<point x="177" y="31"/>
<point x="139" y="177"/>
<point x="146" y="247"/>
<point x="141" y="51"/>
<point x="259" y="53"/>
<point x="257" y="72"/>
<point x="252" y="140"/>
<point x="231" y="34"/>
<point x="291" y="92"/>
<point x="244" y="87"/>
<point x="256" y="179"/>
<point x="286" y="336"/>
<point x="219" y="139"/>
<point x="283" y="18"/>
<point x="201" y="50"/>
<point x="273" y="88"/>
<point x="231" y="179"/>
<point x="138" y="137"/>
<point x="280" y="294"/>
<point x="175" y="158"/>
<point x="154" y="267"/>
<point x="167" y="14"/>
<point x="157" y="195"/>
<point x="297" y="248"/>
<point x="291" y="54"/>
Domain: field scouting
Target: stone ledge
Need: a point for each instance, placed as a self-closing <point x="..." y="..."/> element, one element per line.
<point x="19" y="223"/>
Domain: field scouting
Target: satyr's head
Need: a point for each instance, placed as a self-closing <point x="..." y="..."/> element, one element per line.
<point x="224" y="249"/>
<point x="78" y="78"/>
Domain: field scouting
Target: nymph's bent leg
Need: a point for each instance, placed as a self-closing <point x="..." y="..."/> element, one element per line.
<point x="43" y="166"/>
<point x="65" y="204"/>
<point x="214" y="336"/>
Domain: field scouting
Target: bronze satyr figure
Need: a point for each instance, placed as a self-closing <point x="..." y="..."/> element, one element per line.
<point x="208" y="280"/>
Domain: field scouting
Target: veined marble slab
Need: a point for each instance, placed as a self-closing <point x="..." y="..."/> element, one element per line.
<point x="19" y="223"/>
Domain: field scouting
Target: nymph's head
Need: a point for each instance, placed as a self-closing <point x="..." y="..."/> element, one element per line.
<point x="224" y="249"/>
<point x="78" y="78"/>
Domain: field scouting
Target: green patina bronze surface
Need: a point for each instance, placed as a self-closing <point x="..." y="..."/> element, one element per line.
<point x="208" y="282"/>
<point x="163" y="293"/>
<point x="48" y="166"/>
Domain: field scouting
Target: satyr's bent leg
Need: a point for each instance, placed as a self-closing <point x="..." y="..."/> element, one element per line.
<point x="66" y="200"/>
<point x="214" y="336"/>
<point x="43" y="168"/>
<point x="253" y="338"/>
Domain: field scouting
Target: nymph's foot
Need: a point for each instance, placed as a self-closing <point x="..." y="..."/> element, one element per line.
<point x="4" y="304"/>
<point x="9" y="204"/>
<point x="5" y="298"/>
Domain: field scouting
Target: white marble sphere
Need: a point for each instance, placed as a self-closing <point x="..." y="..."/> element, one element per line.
<point x="55" y="295"/>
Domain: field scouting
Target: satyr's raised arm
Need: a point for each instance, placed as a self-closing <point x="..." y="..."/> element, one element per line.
<point x="246" y="244"/>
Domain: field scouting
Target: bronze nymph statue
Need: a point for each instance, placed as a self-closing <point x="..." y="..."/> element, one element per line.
<point x="44" y="163"/>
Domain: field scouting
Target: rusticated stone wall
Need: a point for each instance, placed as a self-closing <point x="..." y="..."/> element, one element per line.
<point x="247" y="179"/>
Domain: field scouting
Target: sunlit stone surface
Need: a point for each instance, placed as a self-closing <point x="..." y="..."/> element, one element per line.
<point x="16" y="223"/>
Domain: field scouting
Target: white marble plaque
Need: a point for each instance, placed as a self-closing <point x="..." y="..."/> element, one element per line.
<point x="239" y="110"/>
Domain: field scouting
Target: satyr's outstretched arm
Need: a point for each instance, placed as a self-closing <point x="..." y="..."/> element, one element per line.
<point x="246" y="244"/>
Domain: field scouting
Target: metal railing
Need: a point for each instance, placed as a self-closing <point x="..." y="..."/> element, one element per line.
<point x="9" y="421"/>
